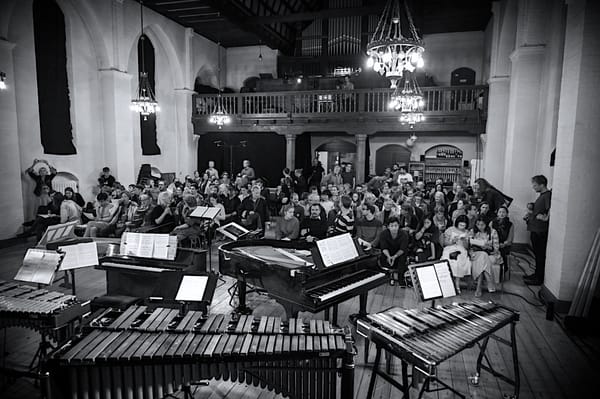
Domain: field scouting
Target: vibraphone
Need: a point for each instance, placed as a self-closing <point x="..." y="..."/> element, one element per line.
<point x="49" y="312"/>
<point x="139" y="353"/>
<point x="425" y="338"/>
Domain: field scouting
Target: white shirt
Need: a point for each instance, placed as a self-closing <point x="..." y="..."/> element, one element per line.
<point x="405" y="178"/>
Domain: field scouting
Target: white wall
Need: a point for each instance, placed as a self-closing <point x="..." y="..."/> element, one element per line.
<point x="102" y="72"/>
<point x="444" y="52"/>
<point x="243" y="62"/>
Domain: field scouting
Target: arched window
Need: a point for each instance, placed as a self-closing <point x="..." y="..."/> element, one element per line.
<point x="148" y="123"/>
<point x="53" y="85"/>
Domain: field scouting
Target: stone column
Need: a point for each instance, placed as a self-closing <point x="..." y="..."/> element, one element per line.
<point x="118" y="124"/>
<point x="522" y="129"/>
<point x="11" y="197"/>
<point x="503" y="42"/>
<point x="186" y="149"/>
<point x="495" y="137"/>
<point x="290" y="151"/>
<point x="575" y="216"/>
<point x="361" y="156"/>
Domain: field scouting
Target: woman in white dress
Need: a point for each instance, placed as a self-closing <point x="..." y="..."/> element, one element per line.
<point x="456" y="241"/>
<point x="485" y="251"/>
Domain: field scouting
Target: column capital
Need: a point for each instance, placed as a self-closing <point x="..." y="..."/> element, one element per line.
<point x="499" y="79"/>
<point x="524" y="51"/>
<point x="115" y="72"/>
<point x="361" y="136"/>
<point x="290" y="136"/>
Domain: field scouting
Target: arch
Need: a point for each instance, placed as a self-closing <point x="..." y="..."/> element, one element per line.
<point x="204" y="78"/>
<point x="462" y="76"/>
<point x="161" y="40"/>
<point x="79" y="9"/>
<point x="337" y="145"/>
<point x="390" y="154"/>
<point x="432" y="151"/>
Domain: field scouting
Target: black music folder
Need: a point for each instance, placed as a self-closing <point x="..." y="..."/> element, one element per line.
<point x="205" y="212"/>
<point x="433" y="280"/>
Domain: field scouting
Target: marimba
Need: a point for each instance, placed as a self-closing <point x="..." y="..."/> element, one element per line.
<point x="49" y="312"/>
<point x="425" y="338"/>
<point x="139" y="353"/>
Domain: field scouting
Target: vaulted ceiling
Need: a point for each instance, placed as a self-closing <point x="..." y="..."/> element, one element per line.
<point x="277" y="23"/>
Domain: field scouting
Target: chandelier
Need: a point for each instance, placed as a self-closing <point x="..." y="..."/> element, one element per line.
<point x="408" y="100"/>
<point x="145" y="102"/>
<point x="219" y="117"/>
<point x="390" y="52"/>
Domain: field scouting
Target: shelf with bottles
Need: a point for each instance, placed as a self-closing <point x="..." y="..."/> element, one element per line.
<point x="444" y="151"/>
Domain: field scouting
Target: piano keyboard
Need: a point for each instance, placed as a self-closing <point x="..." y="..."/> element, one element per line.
<point x="150" y="354"/>
<point x="335" y="289"/>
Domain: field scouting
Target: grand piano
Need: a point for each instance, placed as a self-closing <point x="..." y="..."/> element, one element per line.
<point x="294" y="274"/>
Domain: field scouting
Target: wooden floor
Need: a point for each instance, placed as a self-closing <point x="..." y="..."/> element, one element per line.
<point x="552" y="363"/>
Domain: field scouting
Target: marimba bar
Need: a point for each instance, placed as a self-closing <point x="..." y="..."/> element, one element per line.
<point x="425" y="338"/>
<point x="139" y="353"/>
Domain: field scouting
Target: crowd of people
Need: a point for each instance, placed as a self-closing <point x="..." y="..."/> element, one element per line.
<point x="406" y="220"/>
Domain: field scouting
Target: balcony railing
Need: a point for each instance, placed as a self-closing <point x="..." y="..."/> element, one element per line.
<point x="438" y="100"/>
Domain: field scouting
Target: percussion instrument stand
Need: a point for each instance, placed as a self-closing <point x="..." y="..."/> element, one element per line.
<point x="187" y="389"/>
<point x="41" y="354"/>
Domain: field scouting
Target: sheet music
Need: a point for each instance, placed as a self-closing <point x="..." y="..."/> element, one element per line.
<point x="192" y="288"/>
<point x="161" y="246"/>
<point x="205" y="212"/>
<point x="430" y="286"/>
<point x="146" y="246"/>
<point x="38" y="266"/>
<point x="172" y="251"/>
<point x="132" y="243"/>
<point x="337" y="249"/>
<point x="80" y="255"/>
<point x="445" y="279"/>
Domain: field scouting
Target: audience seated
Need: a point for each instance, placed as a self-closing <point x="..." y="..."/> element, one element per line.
<point x="391" y="213"/>
<point x="288" y="227"/>
<point x="105" y="220"/>
<point x="484" y="251"/>
<point x="456" y="242"/>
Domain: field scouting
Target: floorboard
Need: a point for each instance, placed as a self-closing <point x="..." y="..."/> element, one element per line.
<point x="552" y="363"/>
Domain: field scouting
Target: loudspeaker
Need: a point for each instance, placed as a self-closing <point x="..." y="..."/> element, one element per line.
<point x="466" y="164"/>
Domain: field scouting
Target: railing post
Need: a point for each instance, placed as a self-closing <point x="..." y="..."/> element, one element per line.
<point x="361" y="102"/>
<point x="240" y="104"/>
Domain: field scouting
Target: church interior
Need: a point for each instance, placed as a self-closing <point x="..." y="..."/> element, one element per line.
<point x="299" y="198"/>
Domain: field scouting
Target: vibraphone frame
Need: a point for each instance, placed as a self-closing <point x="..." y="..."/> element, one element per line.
<point x="102" y="353"/>
<point x="430" y="374"/>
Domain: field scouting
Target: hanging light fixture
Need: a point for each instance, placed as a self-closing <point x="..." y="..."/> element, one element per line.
<point x="408" y="100"/>
<point x="260" y="52"/>
<point x="219" y="117"/>
<point x="2" y="81"/>
<point x="145" y="103"/>
<point x="390" y="52"/>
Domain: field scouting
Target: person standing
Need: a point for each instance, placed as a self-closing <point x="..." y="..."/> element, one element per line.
<point x="537" y="225"/>
<point x="212" y="171"/>
<point x="316" y="173"/>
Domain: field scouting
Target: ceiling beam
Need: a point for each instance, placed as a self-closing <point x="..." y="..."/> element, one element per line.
<point x="234" y="12"/>
<point x="309" y="16"/>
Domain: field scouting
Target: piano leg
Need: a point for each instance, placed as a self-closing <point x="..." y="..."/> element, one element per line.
<point x="362" y="304"/>
<point x="241" y="289"/>
<point x="335" y="315"/>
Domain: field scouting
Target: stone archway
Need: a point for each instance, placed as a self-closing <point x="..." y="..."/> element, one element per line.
<point x="390" y="154"/>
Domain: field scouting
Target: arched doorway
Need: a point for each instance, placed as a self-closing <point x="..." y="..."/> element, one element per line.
<point x="336" y="152"/>
<point x="390" y="154"/>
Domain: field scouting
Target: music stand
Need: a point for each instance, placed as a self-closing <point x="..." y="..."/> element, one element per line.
<point x="432" y="280"/>
<point x="209" y="214"/>
<point x="77" y="256"/>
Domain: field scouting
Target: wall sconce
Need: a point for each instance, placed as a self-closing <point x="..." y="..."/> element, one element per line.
<point x="2" y="81"/>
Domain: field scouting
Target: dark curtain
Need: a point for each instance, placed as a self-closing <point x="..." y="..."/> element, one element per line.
<point x="148" y="123"/>
<point x="303" y="153"/>
<point x="53" y="86"/>
<point x="265" y="151"/>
